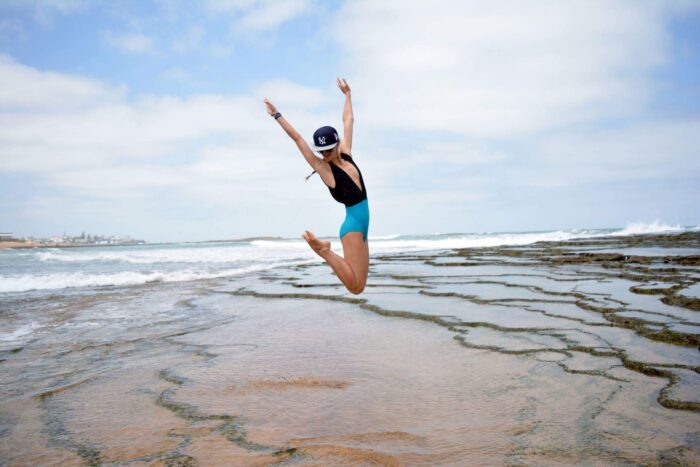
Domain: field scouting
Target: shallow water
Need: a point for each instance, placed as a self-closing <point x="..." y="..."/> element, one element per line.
<point x="531" y="362"/>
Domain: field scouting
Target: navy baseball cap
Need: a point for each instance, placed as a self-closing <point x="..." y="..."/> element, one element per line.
<point x="325" y="138"/>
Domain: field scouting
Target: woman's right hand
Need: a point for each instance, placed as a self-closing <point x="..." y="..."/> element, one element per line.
<point x="343" y="86"/>
<point x="271" y="109"/>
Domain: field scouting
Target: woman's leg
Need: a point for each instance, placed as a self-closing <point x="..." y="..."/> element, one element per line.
<point x="352" y="268"/>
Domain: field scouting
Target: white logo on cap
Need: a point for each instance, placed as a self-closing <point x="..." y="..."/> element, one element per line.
<point x="321" y="140"/>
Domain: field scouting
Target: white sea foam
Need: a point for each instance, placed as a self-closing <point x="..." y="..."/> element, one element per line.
<point x="281" y="244"/>
<point x="203" y="254"/>
<point x="18" y="333"/>
<point x="383" y="237"/>
<point x="475" y="241"/>
<point x="55" y="281"/>
<point x="641" y="228"/>
<point x="518" y="239"/>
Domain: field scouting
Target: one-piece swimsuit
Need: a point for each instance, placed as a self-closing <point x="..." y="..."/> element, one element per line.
<point x="353" y="197"/>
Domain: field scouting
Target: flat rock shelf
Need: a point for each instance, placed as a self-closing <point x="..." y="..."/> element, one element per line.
<point x="577" y="352"/>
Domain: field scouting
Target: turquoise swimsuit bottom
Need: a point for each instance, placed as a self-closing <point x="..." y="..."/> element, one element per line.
<point x="356" y="219"/>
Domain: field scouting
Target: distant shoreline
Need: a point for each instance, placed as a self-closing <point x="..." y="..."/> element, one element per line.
<point x="19" y="244"/>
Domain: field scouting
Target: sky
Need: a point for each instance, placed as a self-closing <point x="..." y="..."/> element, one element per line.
<point x="145" y="118"/>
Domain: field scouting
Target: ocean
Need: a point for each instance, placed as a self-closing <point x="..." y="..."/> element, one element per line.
<point x="51" y="269"/>
<point x="572" y="347"/>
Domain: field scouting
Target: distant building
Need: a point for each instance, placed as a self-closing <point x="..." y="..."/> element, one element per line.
<point x="82" y="240"/>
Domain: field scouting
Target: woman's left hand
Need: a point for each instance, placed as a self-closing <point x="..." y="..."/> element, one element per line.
<point x="271" y="109"/>
<point x="343" y="86"/>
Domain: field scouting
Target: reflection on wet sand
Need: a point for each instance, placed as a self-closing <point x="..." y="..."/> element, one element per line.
<point x="289" y="383"/>
<point x="557" y="353"/>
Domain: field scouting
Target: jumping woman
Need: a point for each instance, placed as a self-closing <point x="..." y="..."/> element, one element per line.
<point x="344" y="180"/>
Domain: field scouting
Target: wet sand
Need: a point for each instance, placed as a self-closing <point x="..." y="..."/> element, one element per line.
<point x="548" y="354"/>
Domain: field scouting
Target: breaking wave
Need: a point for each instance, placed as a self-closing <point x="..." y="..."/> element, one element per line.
<point x="55" y="281"/>
<point x="58" y="268"/>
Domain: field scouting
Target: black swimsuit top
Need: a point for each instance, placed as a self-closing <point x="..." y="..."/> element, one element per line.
<point x="346" y="190"/>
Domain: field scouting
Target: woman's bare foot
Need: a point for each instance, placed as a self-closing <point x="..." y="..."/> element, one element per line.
<point x="321" y="247"/>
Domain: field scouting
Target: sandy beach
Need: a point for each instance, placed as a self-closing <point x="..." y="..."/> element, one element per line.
<point x="19" y="244"/>
<point x="560" y="353"/>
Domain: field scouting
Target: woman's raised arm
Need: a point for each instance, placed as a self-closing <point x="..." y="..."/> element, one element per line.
<point x="304" y="148"/>
<point x="348" y="118"/>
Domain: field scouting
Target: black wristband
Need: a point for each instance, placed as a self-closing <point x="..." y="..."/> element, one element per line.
<point x="277" y="115"/>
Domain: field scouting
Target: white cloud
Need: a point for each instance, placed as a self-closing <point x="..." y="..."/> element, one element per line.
<point x="44" y="11"/>
<point x="62" y="6"/>
<point x="115" y="182"/>
<point x="464" y="153"/>
<point x="146" y="128"/>
<point x="225" y="6"/>
<point x="189" y="40"/>
<point x="253" y="16"/>
<point x="499" y="68"/>
<point x="220" y="50"/>
<point x="52" y="120"/>
<point x="92" y="140"/>
<point x="131" y="42"/>
<point x="286" y="93"/>
<point x="23" y="88"/>
<point x="643" y="151"/>
<point x="178" y="75"/>
<point x="270" y="14"/>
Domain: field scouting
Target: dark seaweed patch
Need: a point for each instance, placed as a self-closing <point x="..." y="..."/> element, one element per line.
<point x="89" y="454"/>
<point x="59" y="434"/>
<point x="680" y="300"/>
<point x="180" y="461"/>
<point x="232" y="427"/>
